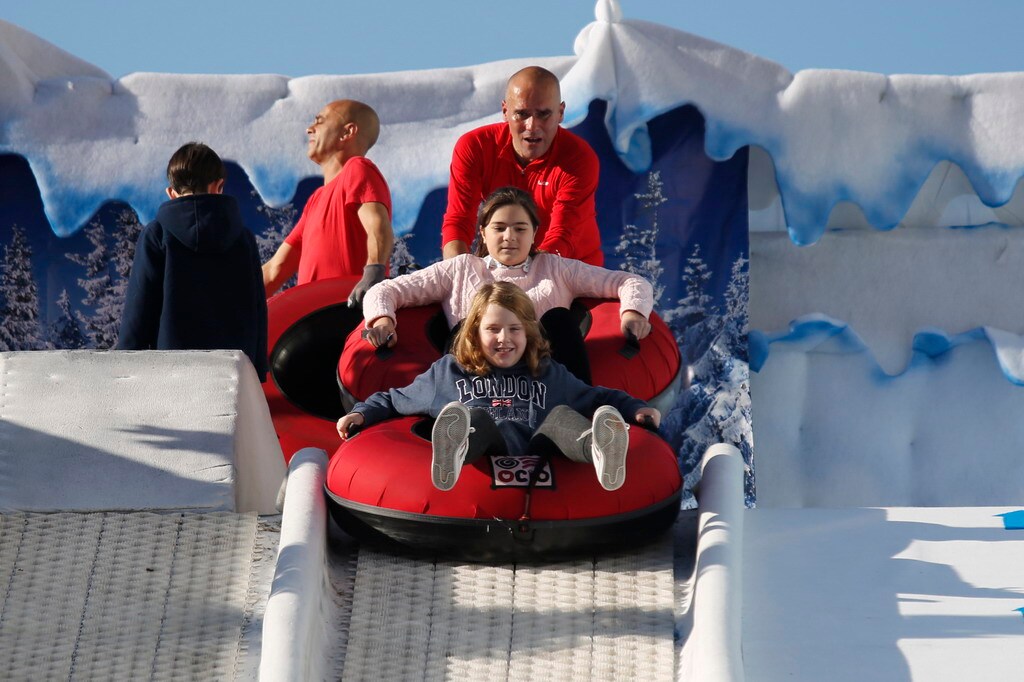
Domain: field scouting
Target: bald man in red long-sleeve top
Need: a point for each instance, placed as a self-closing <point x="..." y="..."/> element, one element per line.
<point x="531" y="151"/>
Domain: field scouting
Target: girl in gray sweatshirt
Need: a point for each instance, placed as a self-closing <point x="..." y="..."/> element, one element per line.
<point x="499" y="393"/>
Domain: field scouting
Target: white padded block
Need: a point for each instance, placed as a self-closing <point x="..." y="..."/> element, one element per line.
<point x="93" y="430"/>
<point x="832" y="430"/>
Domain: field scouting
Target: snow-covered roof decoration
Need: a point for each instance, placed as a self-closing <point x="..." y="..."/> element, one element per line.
<point x="822" y="334"/>
<point x="89" y="138"/>
<point x="833" y="135"/>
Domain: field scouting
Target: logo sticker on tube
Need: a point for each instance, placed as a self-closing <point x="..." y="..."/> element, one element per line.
<point x="515" y="472"/>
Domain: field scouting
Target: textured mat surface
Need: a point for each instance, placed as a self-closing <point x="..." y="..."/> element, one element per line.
<point x="609" y="619"/>
<point x="130" y="595"/>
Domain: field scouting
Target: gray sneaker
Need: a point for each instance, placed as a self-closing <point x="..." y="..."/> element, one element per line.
<point x="450" y="442"/>
<point x="609" y="444"/>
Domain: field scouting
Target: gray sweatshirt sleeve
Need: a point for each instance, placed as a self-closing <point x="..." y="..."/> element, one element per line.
<point x="427" y="394"/>
<point x="585" y="398"/>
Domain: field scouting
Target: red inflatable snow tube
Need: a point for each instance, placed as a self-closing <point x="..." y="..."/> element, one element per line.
<point x="308" y="325"/>
<point x="649" y="370"/>
<point x="363" y="370"/>
<point x="379" y="488"/>
<point x="379" y="483"/>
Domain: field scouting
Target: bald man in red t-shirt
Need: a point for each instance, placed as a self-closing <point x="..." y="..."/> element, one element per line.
<point x="345" y="227"/>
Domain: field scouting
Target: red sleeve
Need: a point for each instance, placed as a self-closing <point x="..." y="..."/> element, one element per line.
<point x="464" y="191"/>
<point x="572" y="230"/>
<point x="364" y="184"/>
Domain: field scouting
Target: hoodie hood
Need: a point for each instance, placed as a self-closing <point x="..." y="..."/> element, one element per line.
<point x="204" y="223"/>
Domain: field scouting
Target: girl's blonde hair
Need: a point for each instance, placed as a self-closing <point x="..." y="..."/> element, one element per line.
<point x="466" y="347"/>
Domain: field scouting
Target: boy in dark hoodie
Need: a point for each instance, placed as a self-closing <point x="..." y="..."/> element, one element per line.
<point x="196" y="282"/>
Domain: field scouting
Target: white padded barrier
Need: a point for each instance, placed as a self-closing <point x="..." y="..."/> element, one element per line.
<point x="832" y="431"/>
<point x="863" y="417"/>
<point x="296" y="644"/>
<point x="712" y="652"/>
<point x="110" y="430"/>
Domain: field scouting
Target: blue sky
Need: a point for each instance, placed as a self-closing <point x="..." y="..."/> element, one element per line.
<point x="344" y="37"/>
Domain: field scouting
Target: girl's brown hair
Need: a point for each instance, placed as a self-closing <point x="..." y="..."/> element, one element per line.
<point x="499" y="198"/>
<point x="466" y="346"/>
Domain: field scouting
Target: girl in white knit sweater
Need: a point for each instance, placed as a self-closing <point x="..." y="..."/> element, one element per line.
<point x="508" y="224"/>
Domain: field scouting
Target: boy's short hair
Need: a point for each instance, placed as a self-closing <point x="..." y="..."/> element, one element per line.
<point x="193" y="168"/>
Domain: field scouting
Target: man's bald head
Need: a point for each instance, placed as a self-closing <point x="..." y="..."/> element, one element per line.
<point x="341" y="130"/>
<point x="535" y="77"/>
<point x="363" y="115"/>
<point x="533" y="108"/>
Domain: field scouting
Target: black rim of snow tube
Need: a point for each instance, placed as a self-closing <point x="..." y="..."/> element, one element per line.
<point x="498" y="540"/>
<point x="304" y="361"/>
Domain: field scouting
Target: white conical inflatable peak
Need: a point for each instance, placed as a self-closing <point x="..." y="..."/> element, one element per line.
<point x="26" y="60"/>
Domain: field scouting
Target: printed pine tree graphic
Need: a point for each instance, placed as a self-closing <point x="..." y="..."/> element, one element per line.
<point x="101" y="326"/>
<point x="638" y="243"/>
<point x="66" y="331"/>
<point x="126" y="235"/>
<point x="716" y="407"/>
<point x="107" y="270"/>
<point x="19" y="297"/>
<point x="402" y="260"/>
<point x="695" y="320"/>
<point x="281" y="221"/>
<point x="737" y="299"/>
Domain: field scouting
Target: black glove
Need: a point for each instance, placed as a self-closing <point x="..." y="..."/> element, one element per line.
<point x="646" y="421"/>
<point x="371" y="275"/>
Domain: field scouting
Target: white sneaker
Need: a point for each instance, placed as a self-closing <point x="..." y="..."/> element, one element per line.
<point x="450" y="442"/>
<point x="609" y="444"/>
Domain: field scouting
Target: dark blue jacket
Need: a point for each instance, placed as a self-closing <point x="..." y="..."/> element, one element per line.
<point x="516" y="400"/>
<point x="197" y="283"/>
